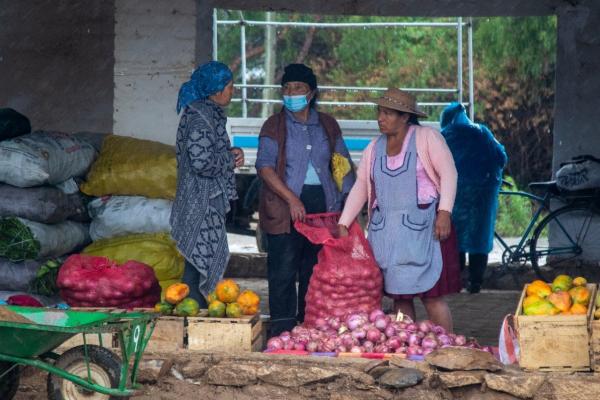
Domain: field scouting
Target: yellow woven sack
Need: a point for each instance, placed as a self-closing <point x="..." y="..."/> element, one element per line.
<point x="157" y="250"/>
<point x="133" y="167"/>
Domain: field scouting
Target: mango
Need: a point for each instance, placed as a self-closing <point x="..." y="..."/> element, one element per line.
<point x="538" y="288"/>
<point x="578" y="309"/>
<point x="597" y="314"/>
<point x="560" y="300"/>
<point x="542" y="307"/>
<point x="579" y="281"/>
<point x="598" y="300"/>
<point x="580" y="295"/>
<point x="527" y="301"/>
<point x="562" y="282"/>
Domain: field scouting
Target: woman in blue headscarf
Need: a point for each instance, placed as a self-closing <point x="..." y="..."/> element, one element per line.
<point x="205" y="177"/>
<point x="479" y="160"/>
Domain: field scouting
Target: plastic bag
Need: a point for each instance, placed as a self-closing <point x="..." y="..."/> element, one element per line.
<point x="125" y="215"/>
<point x="21" y="239"/>
<point x="157" y="250"/>
<point x="88" y="281"/>
<point x="580" y="173"/>
<point x="44" y="158"/>
<point x="508" y="342"/>
<point x="44" y="204"/>
<point x="346" y="278"/>
<point x="133" y="167"/>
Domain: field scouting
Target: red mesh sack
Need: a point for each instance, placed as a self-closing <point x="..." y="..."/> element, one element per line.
<point x="346" y="278"/>
<point x="90" y="281"/>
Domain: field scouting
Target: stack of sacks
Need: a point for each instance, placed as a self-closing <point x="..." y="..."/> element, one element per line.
<point x="42" y="213"/>
<point x="135" y="182"/>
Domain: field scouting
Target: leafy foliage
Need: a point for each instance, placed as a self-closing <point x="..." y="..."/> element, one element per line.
<point x="514" y="62"/>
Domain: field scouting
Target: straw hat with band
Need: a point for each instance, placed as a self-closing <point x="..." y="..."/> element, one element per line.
<point x="400" y="100"/>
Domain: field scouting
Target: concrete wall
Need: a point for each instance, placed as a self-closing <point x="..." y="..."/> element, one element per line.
<point x="154" y="54"/>
<point x="56" y="62"/>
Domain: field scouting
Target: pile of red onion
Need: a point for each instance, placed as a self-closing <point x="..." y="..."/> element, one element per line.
<point x="375" y="332"/>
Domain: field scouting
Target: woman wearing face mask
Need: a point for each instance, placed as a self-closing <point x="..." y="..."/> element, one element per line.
<point x="408" y="178"/>
<point x="205" y="177"/>
<point x="293" y="160"/>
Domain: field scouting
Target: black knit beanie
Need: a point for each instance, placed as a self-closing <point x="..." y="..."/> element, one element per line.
<point x="299" y="73"/>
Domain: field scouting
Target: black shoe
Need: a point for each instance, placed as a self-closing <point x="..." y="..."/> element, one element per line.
<point x="472" y="289"/>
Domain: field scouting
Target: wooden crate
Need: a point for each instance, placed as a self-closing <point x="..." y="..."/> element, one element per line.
<point x="231" y="335"/>
<point x="554" y="343"/>
<point x="595" y="341"/>
<point x="168" y="335"/>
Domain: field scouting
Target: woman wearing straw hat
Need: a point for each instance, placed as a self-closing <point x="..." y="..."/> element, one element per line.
<point x="205" y="177"/>
<point x="408" y="177"/>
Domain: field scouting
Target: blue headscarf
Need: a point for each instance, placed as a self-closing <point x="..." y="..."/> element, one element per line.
<point x="206" y="80"/>
<point x="454" y="113"/>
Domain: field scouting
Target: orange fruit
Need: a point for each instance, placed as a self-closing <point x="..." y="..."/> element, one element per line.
<point x="216" y="309"/>
<point x="539" y="288"/>
<point x="234" y="310"/>
<point x="579" y="281"/>
<point x="227" y="291"/>
<point x="249" y="301"/>
<point x="580" y="295"/>
<point x="578" y="309"/>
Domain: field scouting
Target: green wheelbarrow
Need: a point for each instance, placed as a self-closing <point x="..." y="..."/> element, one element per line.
<point x="82" y="372"/>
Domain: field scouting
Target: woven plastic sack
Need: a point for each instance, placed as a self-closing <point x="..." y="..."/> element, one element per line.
<point x="87" y="281"/>
<point x="44" y="158"/>
<point x="346" y="278"/>
<point x="157" y="250"/>
<point x="17" y="276"/>
<point x="124" y="215"/>
<point x="133" y="167"/>
<point x="45" y="204"/>
<point x="21" y="239"/>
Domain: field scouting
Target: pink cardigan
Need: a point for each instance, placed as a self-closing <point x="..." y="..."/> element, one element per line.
<point x="436" y="159"/>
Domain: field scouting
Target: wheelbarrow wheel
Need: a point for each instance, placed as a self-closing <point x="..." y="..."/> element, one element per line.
<point x="105" y="370"/>
<point x="9" y="383"/>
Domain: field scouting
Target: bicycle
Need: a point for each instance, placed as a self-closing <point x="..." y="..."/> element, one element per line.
<point x="560" y="236"/>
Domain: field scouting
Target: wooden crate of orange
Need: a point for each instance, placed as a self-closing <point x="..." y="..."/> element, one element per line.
<point x="559" y="342"/>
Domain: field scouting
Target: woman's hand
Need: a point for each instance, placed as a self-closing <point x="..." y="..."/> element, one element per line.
<point x="297" y="210"/>
<point x="442" y="225"/>
<point x="238" y="155"/>
<point x="342" y="230"/>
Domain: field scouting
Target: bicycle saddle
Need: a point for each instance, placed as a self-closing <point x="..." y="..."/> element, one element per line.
<point x="549" y="186"/>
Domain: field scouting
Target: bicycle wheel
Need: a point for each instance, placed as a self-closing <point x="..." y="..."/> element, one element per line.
<point x="560" y="238"/>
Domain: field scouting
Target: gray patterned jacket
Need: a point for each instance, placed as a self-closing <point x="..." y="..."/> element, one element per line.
<point x="205" y="185"/>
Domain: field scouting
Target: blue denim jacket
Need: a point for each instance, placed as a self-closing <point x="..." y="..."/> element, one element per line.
<point x="306" y="141"/>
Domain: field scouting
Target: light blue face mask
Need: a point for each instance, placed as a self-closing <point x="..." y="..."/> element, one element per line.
<point x="295" y="103"/>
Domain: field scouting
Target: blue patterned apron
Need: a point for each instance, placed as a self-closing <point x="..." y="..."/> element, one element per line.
<point x="401" y="233"/>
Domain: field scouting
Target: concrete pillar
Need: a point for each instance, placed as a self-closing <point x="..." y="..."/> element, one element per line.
<point x="154" y="55"/>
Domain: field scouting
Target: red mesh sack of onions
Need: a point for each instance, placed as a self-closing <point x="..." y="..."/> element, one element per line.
<point x="346" y="278"/>
<point x="90" y="281"/>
